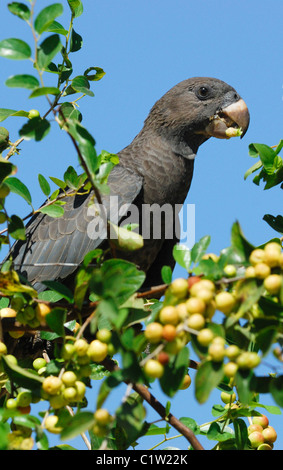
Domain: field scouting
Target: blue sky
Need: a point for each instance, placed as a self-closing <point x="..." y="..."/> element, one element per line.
<point x="145" y="48"/>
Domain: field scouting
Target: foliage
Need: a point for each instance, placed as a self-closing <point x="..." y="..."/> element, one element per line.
<point x="228" y="311"/>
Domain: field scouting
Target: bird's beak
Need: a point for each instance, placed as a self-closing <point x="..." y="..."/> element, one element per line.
<point x="232" y="121"/>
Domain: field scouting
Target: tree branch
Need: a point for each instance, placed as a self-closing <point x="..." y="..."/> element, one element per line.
<point x="159" y="408"/>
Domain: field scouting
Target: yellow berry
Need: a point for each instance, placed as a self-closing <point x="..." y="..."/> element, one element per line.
<point x="230" y="270"/>
<point x="179" y="288"/>
<point x="52" y="385"/>
<point x="216" y="352"/>
<point x="81" y="347"/>
<point x="41" y="310"/>
<point x="273" y="283"/>
<point x="196" y="321"/>
<point x="186" y="382"/>
<point x="16" y="334"/>
<point x="102" y="417"/>
<point x="153" y="332"/>
<point x="230" y="369"/>
<point x="212" y="256"/>
<point x="228" y="397"/>
<point x="257" y="256"/>
<point x="8" y="312"/>
<point x="169" y="314"/>
<point x="80" y="389"/>
<point x="3" y="348"/>
<point x="104" y="335"/>
<point x="225" y="302"/>
<point x="69" y="378"/>
<point x="262" y="270"/>
<point x="182" y="311"/>
<point x="195" y="305"/>
<point x="202" y="284"/>
<point x="232" y="352"/>
<point x="97" y="351"/>
<point x="153" y="369"/>
<point x="250" y="272"/>
<point x="51" y="424"/>
<point x="272" y="254"/>
<point x="205" y="337"/>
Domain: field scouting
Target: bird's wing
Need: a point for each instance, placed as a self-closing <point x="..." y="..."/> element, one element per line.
<point x="66" y="240"/>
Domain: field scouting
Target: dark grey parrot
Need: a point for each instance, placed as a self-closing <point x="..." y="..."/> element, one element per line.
<point x="156" y="168"/>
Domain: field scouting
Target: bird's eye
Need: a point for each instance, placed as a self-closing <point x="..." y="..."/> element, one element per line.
<point x="203" y="92"/>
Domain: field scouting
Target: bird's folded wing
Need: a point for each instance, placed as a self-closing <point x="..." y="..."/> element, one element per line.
<point x="61" y="243"/>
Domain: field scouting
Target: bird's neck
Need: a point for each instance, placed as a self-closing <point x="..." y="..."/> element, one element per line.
<point x="167" y="172"/>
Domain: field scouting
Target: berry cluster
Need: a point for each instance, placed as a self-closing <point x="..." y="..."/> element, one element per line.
<point x="261" y="435"/>
<point x="190" y="305"/>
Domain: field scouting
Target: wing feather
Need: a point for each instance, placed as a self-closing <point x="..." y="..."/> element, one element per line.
<point x="66" y="239"/>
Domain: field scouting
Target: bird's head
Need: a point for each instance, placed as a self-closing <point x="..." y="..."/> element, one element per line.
<point x="197" y="109"/>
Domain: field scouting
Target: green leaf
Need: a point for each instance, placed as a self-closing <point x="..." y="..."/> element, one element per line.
<point x="175" y="372"/>
<point x="86" y="145"/>
<point x="76" y="7"/>
<point x="267" y="156"/>
<point x="243" y="380"/>
<point x="60" y="289"/>
<point x="18" y="187"/>
<point x="58" y="182"/>
<point x="4" y="139"/>
<point x="47" y="50"/>
<point x="15" y="49"/>
<point x="241" y="434"/>
<point x="36" y="128"/>
<point x="27" y="421"/>
<point x="82" y="421"/>
<point x="182" y="256"/>
<point x="276" y="390"/>
<point x="70" y="112"/>
<point x="4" y="433"/>
<point x="275" y="222"/>
<point x="53" y="210"/>
<point x="94" y="77"/>
<point x="71" y="178"/>
<point x="81" y="85"/>
<point x="76" y="41"/>
<point x="209" y="268"/>
<point x="130" y="422"/>
<point x="241" y="247"/>
<point x="208" y="376"/>
<point x="191" y="424"/>
<point x="43" y="91"/>
<point x="5" y="113"/>
<point x="44" y="185"/>
<point x="57" y="28"/>
<point x="166" y="274"/>
<point x="121" y="279"/>
<point x="20" y="10"/>
<point x="46" y="17"/>
<point x="155" y="431"/>
<point x="249" y="292"/>
<point x="199" y="249"/>
<point x="22" y="377"/>
<point x="56" y="320"/>
<point x="6" y="169"/>
<point x="22" y="81"/>
<point x="16" y="228"/>
<point x="252" y="169"/>
<point x="217" y="433"/>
